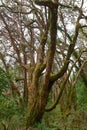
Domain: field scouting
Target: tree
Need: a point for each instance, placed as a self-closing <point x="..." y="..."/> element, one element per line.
<point x="33" y="35"/>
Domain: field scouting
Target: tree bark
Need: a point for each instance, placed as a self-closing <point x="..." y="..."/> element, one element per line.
<point x="38" y="99"/>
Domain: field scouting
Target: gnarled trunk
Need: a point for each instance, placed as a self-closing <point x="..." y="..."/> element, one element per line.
<point x="38" y="95"/>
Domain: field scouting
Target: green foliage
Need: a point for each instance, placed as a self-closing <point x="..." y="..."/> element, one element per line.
<point x="14" y="73"/>
<point x="43" y="126"/>
<point x="4" y="82"/>
<point x="76" y="120"/>
<point x="81" y="91"/>
<point x="11" y="113"/>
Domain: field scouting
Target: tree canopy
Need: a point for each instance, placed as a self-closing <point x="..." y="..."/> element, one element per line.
<point x="43" y="50"/>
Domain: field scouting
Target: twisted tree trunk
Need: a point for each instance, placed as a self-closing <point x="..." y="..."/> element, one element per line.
<point x="38" y="97"/>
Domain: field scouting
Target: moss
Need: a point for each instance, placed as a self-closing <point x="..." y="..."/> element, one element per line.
<point x="38" y="70"/>
<point x="54" y="77"/>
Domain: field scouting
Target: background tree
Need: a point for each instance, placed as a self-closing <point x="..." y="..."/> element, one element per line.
<point x="39" y="47"/>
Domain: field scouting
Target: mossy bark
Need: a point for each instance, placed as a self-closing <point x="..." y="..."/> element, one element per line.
<point x="38" y="95"/>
